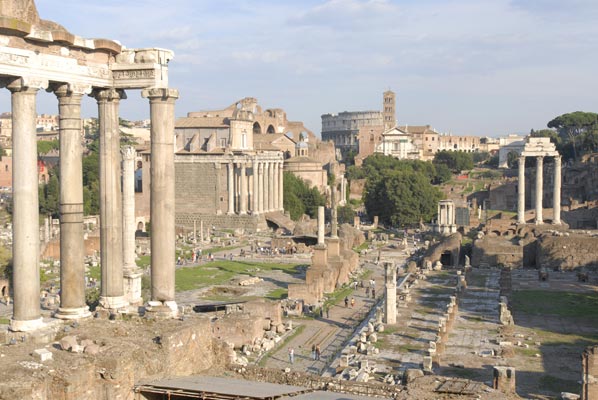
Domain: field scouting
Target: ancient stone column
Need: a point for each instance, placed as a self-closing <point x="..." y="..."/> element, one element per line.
<point x="589" y="373"/>
<point x="556" y="201"/>
<point x="131" y="273"/>
<point x="539" y="188"/>
<point x="25" y="218"/>
<point x="267" y="186"/>
<point x="333" y="212"/>
<point x="112" y="293"/>
<point x="72" y="246"/>
<point x="243" y="189"/>
<point x="261" y="187"/>
<point x="390" y="284"/>
<point x="162" y="195"/>
<point x="521" y="191"/>
<point x="275" y="171"/>
<point x="250" y="194"/>
<point x="230" y="184"/>
<point x="256" y="189"/>
<point x="321" y="223"/>
<point x="281" y="187"/>
<point x="343" y="198"/>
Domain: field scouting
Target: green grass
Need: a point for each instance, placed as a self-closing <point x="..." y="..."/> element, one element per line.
<point x="337" y="296"/>
<point x="4" y="321"/>
<point x="219" y="272"/>
<point x="362" y="246"/>
<point x="564" y="304"/>
<point x="554" y="384"/>
<point x="278" y="294"/>
<point x="144" y="261"/>
<point x="95" y="272"/>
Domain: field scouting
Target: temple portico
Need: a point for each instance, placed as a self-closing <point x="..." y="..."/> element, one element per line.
<point x="36" y="56"/>
<point x="539" y="148"/>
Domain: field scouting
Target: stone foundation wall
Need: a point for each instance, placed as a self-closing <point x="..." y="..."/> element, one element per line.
<point x="492" y="251"/>
<point x="451" y="244"/>
<point x="249" y="222"/>
<point x="566" y="252"/>
<point x="238" y="329"/>
<point x="129" y="351"/>
<point x="196" y="186"/>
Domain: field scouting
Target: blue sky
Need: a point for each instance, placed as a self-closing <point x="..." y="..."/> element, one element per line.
<point x="471" y="67"/>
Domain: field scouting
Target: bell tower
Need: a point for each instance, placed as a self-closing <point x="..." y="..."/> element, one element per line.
<point x="388" y="110"/>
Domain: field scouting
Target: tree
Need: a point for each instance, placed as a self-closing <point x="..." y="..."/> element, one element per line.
<point x="573" y="125"/>
<point x="456" y="161"/>
<point x="299" y="198"/>
<point x="345" y="215"/>
<point x="44" y="146"/>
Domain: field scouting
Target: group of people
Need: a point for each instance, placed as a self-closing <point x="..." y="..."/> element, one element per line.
<point x="316" y="353"/>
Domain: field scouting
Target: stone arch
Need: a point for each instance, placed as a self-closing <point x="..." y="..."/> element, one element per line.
<point x="140" y="226"/>
<point x="271" y="129"/>
<point x="4" y="291"/>
<point x="257" y="129"/>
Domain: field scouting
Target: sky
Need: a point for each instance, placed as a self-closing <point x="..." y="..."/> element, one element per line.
<point x="466" y="67"/>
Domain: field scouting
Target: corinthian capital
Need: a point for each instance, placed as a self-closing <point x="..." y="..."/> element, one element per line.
<point x="108" y="94"/>
<point x="128" y="153"/>
<point x="160" y="93"/>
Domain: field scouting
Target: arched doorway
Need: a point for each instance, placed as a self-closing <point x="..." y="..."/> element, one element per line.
<point x="271" y="129"/>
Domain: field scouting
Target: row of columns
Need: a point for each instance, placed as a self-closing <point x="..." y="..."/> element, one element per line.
<point x="255" y="190"/>
<point x="556" y="201"/>
<point x="114" y="244"/>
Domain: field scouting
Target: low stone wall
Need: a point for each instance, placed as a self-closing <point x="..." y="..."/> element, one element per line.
<point x="451" y="244"/>
<point x="249" y="222"/>
<point x="494" y="251"/>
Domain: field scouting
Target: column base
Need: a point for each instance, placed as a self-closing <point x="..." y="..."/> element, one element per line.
<point x="556" y="223"/>
<point x="539" y="222"/>
<point x="25" y="326"/>
<point x="72" y="313"/>
<point x="113" y="302"/>
<point x="159" y="309"/>
<point x="132" y="286"/>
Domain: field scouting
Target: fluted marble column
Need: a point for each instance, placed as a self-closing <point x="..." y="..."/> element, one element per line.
<point x="267" y="186"/>
<point x="261" y="187"/>
<point x="72" y="245"/>
<point x="162" y="195"/>
<point x="321" y="224"/>
<point x="112" y="293"/>
<point x="243" y="189"/>
<point x="131" y="273"/>
<point x="255" y="196"/>
<point x="25" y="217"/>
<point x="271" y="186"/>
<point x="230" y="184"/>
<point x="281" y="187"/>
<point x="275" y="172"/>
<point x="521" y="192"/>
<point x="556" y="201"/>
<point x="539" y="188"/>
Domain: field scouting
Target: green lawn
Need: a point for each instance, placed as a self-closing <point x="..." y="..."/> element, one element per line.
<point x="219" y="272"/>
<point x="565" y="304"/>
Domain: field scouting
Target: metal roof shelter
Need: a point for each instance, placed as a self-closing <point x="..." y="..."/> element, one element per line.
<point x="218" y="388"/>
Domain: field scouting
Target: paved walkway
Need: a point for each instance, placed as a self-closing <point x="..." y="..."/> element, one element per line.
<point x="329" y="333"/>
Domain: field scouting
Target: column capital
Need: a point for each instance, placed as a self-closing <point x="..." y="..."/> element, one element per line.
<point x="128" y="152"/>
<point x="69" y="89"/>
<point x="521" y="158"/>
<point x="104" y="95"/>
<point x="160" y="93"/>
<point x="26" y="84"/>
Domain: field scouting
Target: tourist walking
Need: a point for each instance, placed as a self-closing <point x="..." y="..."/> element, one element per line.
<point x="346" y="301"/>
<point x="352" y="302"/>
<point x="313" y="351"/>
<point x="373" y="293"/>
<point x="291" y="355"/>
<point x="318" y="352"/>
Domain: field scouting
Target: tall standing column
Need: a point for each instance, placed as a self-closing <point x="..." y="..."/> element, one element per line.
<point x="275" y="206"/>
<point x="261" y="187"/>
<point x="255" y="197"/>
<point x="521" y="191"/>
<point x="25" y="217"/>
<point x="132" y="274"/>
<point x="281" y="187"/>
<point x="271" y="186"/>
<point x="321" y="223"/>
<point x="267" y="184"/>
<point x="243" y="189"/>
<point x="230" y="184"/>
<point x="390" y="284"/>
<point x="539" y="188"/>
<point x="72" y="246"/>
<point x="556" y="201"/>
<point x="112" y="293"/>
<point x="162" y="195"/>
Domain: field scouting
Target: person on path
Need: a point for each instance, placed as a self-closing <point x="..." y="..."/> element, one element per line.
<point x="291" y="355"/>
<point x="313" y="352"/>
<point x="328" y="312"/>
<point x="321" y="312"/>
<point x="373" y="293"/>
<point x="352" y="302"/>
<point x="318" y="352"/>
<point x="346" y="301"/>
<point x="367" y="291"/>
